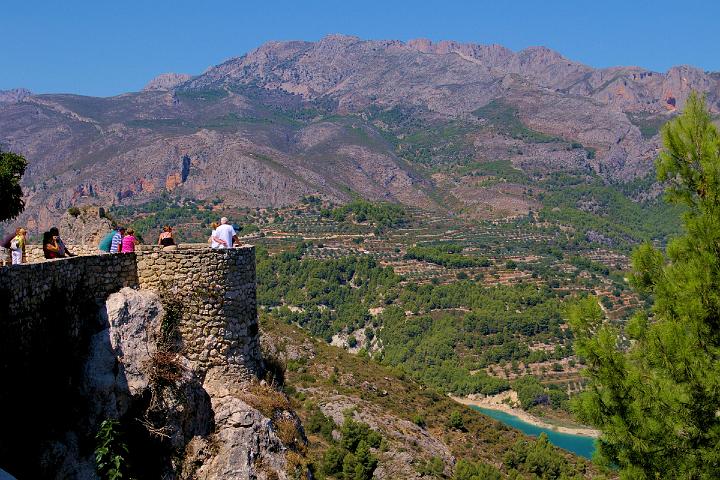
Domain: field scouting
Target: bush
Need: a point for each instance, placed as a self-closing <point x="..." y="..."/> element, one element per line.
<point x="332" y="462"/>
<point x="355" y="432"/>
<point x="432" y="468"/>
<point x="465" y="470"/>
<point x="110" y="451"/>
<point x="530" y="391"/>
<point x="456" y="421"/>
<point x="352" y="456"/>
<point x="319" y="423"/>
<point x="74" y="211"/>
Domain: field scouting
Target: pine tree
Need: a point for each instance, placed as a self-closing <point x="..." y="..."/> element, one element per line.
<point x="654" y="388"/>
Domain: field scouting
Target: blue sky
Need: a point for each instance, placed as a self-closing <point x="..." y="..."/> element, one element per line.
<point x="104" y="48"/>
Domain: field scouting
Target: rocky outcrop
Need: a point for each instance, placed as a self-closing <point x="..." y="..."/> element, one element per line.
<point x="116" y="369"/>
<point x="245" y="443"/>
<point x="14" y="96"/>
<point x="199" y="425"/>
<point x="84" y="226"/>
<point x="172" y="355"/>
<point x="166" y="81"/>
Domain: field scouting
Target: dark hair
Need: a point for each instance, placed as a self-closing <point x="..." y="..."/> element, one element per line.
<point x="47" y="238"/>
<point x="54" y="231"/>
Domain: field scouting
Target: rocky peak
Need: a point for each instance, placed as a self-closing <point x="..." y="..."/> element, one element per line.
<point x="167" y="81"/>
<point x="15" y="95"/>
<point x="339" y="38"/>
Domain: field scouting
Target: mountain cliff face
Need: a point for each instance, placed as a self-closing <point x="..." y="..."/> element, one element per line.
<point x="342" y="116"/>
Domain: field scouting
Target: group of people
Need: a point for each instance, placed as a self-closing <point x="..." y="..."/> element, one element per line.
<point x="223" y="235"/>
<point x="118" y="240"/>
<point x="14" y="247"/>
<point x="53" y="245"/>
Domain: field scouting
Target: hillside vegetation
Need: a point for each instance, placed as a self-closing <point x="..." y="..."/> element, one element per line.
<point x="421" y="431"/>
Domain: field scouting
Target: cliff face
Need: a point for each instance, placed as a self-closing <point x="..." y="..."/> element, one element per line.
<point x="336" y="116"/>
<point x="165" y="344"/>
<point x="197" y="424"/>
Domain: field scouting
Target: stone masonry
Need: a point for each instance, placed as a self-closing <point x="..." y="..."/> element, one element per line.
<point x="216" y="289"/>
<point x="54" y="313"/>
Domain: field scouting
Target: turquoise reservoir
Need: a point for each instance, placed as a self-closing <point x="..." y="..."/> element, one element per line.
<point x="577" y="444"/>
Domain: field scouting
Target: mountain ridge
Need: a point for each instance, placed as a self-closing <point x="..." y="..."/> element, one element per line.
<point x="343" y="117"/>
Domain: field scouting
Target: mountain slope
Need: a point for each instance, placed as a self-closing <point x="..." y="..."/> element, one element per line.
<point x="339" y="117"/>
<point x="413" y="421"/>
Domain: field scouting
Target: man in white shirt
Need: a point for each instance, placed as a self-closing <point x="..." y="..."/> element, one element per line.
<point x="224" y="234"/>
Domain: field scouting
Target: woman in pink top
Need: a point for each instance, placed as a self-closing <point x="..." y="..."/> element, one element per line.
<point x="129" y="241"/>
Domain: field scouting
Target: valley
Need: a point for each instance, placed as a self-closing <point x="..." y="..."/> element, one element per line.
<point x="463" y="306"/>
<point x="424" y="216"/>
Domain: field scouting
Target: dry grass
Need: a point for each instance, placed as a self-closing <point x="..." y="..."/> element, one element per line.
<point x="264" y="471"/>
<point x="164" y="368"/>
<point x="288" y="433"/>
<point x="265" y="398"/>
<point x="297" y="465"/>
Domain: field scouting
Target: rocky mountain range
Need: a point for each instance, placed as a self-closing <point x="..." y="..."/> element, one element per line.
<point x="386" y="120"/>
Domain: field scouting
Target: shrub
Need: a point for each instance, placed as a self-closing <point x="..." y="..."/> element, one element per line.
<point x="456" y="421"/>
<point x="288" y="433"/>
<point x="332" y="462"/>
<point x="465" y="470"/>
<point x="318" y="423"/>
<point x="110" y="451"/>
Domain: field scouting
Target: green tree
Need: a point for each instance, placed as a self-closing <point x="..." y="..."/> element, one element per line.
<point x="12" y="168"/>
<point x="456" y="421"/>
<point x="365" y="463"/>
<point x="333" y="460"/>
<point x="656" y="398"/>
<point x="465" y="470"/>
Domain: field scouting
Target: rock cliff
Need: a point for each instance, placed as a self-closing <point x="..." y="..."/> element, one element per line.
<point x="180" y="423"/>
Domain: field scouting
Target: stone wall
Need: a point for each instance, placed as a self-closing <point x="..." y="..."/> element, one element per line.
<point x="48" y="313"/>
<point x="50" y="310"/>
<point x="27" y="289"/>
<point x="34" y="253"/>
<point x="217" y="291"/>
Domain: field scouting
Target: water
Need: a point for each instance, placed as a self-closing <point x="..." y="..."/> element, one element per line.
<point x="578" y="444"/>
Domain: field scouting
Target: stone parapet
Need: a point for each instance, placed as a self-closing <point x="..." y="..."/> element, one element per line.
<point x="217" y="291"/>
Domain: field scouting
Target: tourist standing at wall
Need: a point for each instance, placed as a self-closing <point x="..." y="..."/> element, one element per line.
<point x="225" y="234"/>
<point x="106" y="242"/>
<point x="5" y="252"/>
<point x="129" y="241"/>
<point x="50" y="247"/>
<point x="213" y="235"/>
<point x="17" y="246"/>
<point x="63" y="250"/>
<point x="116" y="245"/>
<point x="166" y="239"/>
